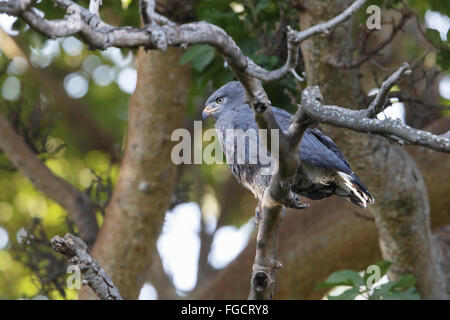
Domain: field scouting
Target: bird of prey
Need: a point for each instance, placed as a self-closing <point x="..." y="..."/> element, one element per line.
<point x="323" y="170"/>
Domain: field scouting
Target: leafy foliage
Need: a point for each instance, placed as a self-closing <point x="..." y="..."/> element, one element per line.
<point x="362" y="284"/>
<point x="199" y="56"/>
<point x="47" y="267"/>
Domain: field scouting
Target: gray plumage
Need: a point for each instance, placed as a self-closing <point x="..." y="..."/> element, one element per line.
<point x="324" y="171"/>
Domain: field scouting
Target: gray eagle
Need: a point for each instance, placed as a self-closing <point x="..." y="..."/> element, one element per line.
<point x="323" y="171"/>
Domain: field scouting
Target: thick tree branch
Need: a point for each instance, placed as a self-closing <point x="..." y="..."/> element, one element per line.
<point x="350" y="119"/>
<point x="153" y="36"/>
<point x="101" y="35"/>
<point x="361" y="120"/>
<point x="75" y="250"/>
<point x="76" y="203"/>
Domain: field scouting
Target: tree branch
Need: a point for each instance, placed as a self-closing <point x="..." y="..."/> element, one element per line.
<point x="75" y="250"/>
<point x="153" y="36"/>
<point x="101" y="35"/>
<point x="277" y="197"/>
<point x="76" y="203"/>
<point x="358" y="121"/>
<point x="149" y="16"/>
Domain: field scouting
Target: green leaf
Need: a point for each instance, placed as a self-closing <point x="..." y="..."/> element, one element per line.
<point x="384" y="267"/>
<point x="401" y="289"/>
<point x="383" y="294"/>
<point x="434" y="36"/>
<point x="404" y="282"/>
<point x="349" y="294"/>
<point x="409" y="294"/>
<point x="343" y="278"/>
<point x="200" y="56"/>
<point x="443" y="59"/>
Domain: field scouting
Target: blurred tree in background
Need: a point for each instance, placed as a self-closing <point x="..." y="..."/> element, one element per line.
<point x="73" y="108"/>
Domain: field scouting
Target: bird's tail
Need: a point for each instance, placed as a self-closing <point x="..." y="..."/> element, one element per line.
<point x="357" y="192"/>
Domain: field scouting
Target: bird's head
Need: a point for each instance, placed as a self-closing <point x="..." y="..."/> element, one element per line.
<point x="223" y="100"/>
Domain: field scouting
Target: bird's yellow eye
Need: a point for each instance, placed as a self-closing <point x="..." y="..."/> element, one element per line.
<point x="219" y="100"/>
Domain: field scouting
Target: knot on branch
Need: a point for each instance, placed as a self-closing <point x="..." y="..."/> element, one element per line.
<point x="158" y="37"/>
<point x="94" y="20"/>
<point x="260" y="281"/>
<point x="311" y="96"/>
<point x="68" y="246"/>
<point x="259" y="106"/>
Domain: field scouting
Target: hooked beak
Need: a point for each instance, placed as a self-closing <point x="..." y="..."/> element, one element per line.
<point x="208" y="111"/>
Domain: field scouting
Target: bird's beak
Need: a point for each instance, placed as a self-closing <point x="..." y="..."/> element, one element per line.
<point x="208" y="111"/>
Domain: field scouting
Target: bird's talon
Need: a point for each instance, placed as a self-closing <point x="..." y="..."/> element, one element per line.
<point x="297" y="204"/>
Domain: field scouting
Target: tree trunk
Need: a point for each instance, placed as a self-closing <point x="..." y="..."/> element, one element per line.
<point x="127" y="240"/>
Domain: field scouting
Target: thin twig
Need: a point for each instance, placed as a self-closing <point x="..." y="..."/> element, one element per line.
<point x="379" y="103"/>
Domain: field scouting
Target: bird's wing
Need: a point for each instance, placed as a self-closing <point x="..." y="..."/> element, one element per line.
<point x="330" y="144"/>
<point x="317" y="152"/>
<point x="315" y="147"/>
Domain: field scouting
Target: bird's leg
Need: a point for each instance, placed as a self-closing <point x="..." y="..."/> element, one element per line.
<point x="296" y="202"/>
<point x="258" y="213"/>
